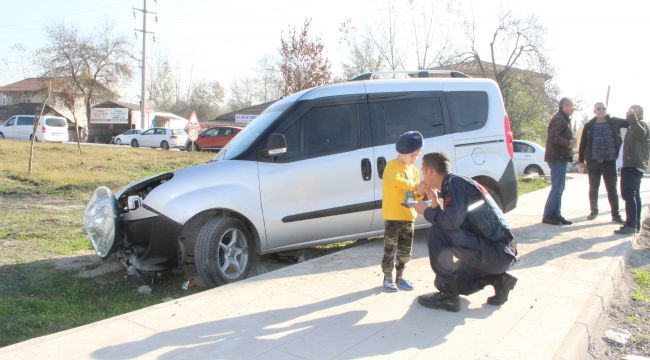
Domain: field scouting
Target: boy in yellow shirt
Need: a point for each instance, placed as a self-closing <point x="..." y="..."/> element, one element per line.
<point x="401" y="184"/>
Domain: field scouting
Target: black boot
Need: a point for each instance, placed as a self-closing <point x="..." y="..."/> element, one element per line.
<point x="447" y="299"/>
<point x="502" y="286"/>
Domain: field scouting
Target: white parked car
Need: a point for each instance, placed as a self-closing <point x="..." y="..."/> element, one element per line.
<point x="306" y="171"/>
<point x="126" y="137"/>
<point x="529" y="158"/>
<point x="21" y="127"/>
<point x="164" y="138"/>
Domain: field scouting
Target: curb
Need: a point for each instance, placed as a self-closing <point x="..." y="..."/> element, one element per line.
<point x="576" y="343"/>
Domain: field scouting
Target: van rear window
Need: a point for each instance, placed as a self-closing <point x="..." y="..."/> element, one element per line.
<point x="55" y="122"/>
<point x="179" y="132"/>
<point x="468" y="110"/>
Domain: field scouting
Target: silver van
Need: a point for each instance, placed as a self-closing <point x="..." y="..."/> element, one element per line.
<point x="307" y="171"/>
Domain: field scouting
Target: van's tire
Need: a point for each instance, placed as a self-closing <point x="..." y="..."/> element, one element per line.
<point x="533" y="169"/>
<point x="164" y="145"/>
<point x="223" y="252"/>
<point x="134" y="143"/>
<point x="118" y="142"/>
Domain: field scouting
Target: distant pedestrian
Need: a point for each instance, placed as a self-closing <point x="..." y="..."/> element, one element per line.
<point x="635" y="162"/>
<point x="469" y="226"/>
<point x="401" y="184"/>
<point x="599" y="146"/>
<point x="559" y="152"/>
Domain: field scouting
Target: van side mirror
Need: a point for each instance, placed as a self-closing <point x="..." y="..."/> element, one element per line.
<point x="276" y="144"/>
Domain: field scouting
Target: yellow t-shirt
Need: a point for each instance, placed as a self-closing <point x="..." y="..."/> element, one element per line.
<point x="399" y="182"/>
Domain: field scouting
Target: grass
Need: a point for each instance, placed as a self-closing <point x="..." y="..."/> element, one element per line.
<point x="57" y="171"/>
<point x="532" y="185"/>
<point x="642" y="291"/>
<point x="41" y="219"/>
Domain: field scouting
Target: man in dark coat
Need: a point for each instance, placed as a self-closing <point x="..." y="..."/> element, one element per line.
<point x="467" y="225"/>
<point x="559" y="153"/>
<point x="599" y="146"/>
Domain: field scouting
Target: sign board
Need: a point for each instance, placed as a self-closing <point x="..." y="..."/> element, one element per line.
<point x="193" y="127"/>
<point x="244" y="118"/>
<point x="109" y="116"/>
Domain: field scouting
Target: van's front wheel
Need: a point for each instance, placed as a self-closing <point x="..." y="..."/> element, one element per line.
<point x="223" y="251"/>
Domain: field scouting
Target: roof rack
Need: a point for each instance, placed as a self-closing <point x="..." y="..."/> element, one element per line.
<point x="410" y="74"/>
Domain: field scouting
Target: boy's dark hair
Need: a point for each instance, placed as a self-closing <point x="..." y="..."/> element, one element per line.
<point x="437" y="161"/>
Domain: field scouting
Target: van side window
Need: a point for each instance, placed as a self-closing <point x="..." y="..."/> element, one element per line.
<point x="323" y="131"/>
<point x="468" y="110"/>
<point x="11" y="122"/>
<point x="25" y="120"/>
<point x="392" y="118"/>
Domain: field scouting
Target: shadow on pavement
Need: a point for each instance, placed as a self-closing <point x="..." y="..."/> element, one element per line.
<point x="332" y="334"/>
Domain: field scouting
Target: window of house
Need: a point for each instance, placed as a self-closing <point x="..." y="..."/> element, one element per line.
<point x="392" y="118"/>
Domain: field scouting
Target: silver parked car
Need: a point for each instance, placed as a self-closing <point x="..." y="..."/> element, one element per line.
<point x="307" y="171"/>
<point x="126" y="137"/>
<point x="164" y="138"/>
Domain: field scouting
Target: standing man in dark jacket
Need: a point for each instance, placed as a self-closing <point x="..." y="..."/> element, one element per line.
<point x="635" y="162"/>
<point x="467" y="225"/>
<point x="559" y="145"/>
<point x="599" y="146"/>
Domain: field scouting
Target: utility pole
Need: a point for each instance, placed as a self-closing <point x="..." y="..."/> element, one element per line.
<point x="144" y="59"/>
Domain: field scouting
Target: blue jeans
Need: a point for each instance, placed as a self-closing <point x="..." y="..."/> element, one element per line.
<point x="558" y="179"/>
<point x="630" y="192"/>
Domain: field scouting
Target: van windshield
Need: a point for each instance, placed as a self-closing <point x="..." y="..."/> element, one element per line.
<point x="55" y="122"/>
<point x="252" y="131"/>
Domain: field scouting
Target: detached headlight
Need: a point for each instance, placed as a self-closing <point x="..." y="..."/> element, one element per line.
<point x="100" y="220"/>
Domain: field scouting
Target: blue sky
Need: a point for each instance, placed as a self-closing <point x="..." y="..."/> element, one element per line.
<point x="591" y="44"/>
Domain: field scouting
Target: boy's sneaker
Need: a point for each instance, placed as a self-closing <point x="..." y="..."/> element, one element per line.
<point x="405" y="285"/>
<point x="389" y="285"/>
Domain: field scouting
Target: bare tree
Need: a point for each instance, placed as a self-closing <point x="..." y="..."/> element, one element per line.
<point x="302" y="63"/>
<point x="18" y="65"/>
<point x="270" y="79"/>
<point x="363" y="56"/>
<point x="517" y="61"/>
<point x="204" y="97"/>
<point x="163" y="85"/>
<point x="432" y="32"/>
<point x="95" y="64"/>
<point x="516" y="43"/>
<point x="386" y="41"/>
<point x="243" y="93"/>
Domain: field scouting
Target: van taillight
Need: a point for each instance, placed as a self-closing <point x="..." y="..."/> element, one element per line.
<point x="173" y="137"/>
<point x="43" y="128"/>
<point x="506" y="125"/>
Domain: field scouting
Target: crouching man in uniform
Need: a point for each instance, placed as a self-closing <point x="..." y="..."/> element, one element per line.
<point x="470" y="226"/>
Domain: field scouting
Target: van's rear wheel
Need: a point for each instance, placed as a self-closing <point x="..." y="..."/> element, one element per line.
<point x="223" y="251"/>
<point x="533" y="169"/>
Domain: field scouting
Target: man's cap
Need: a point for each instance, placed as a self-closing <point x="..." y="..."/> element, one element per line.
<point x="409" y="142"/>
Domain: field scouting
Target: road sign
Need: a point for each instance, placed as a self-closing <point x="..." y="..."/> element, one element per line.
<point x="193" y="127"/>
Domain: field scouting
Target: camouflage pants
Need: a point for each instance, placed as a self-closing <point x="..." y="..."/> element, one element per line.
<point x="398" y="241"/>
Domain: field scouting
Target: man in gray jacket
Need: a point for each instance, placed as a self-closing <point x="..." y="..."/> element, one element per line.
<point x="635" y="162"/>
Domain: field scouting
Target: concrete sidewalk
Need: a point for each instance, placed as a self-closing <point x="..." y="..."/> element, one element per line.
<point x="334" y="308"/>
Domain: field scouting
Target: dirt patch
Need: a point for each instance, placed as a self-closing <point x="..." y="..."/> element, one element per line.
<point x="626" y="313"/>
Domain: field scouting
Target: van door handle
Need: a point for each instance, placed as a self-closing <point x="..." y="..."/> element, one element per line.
<point x="366" y="169"/>
<point x="381" y="165"/>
